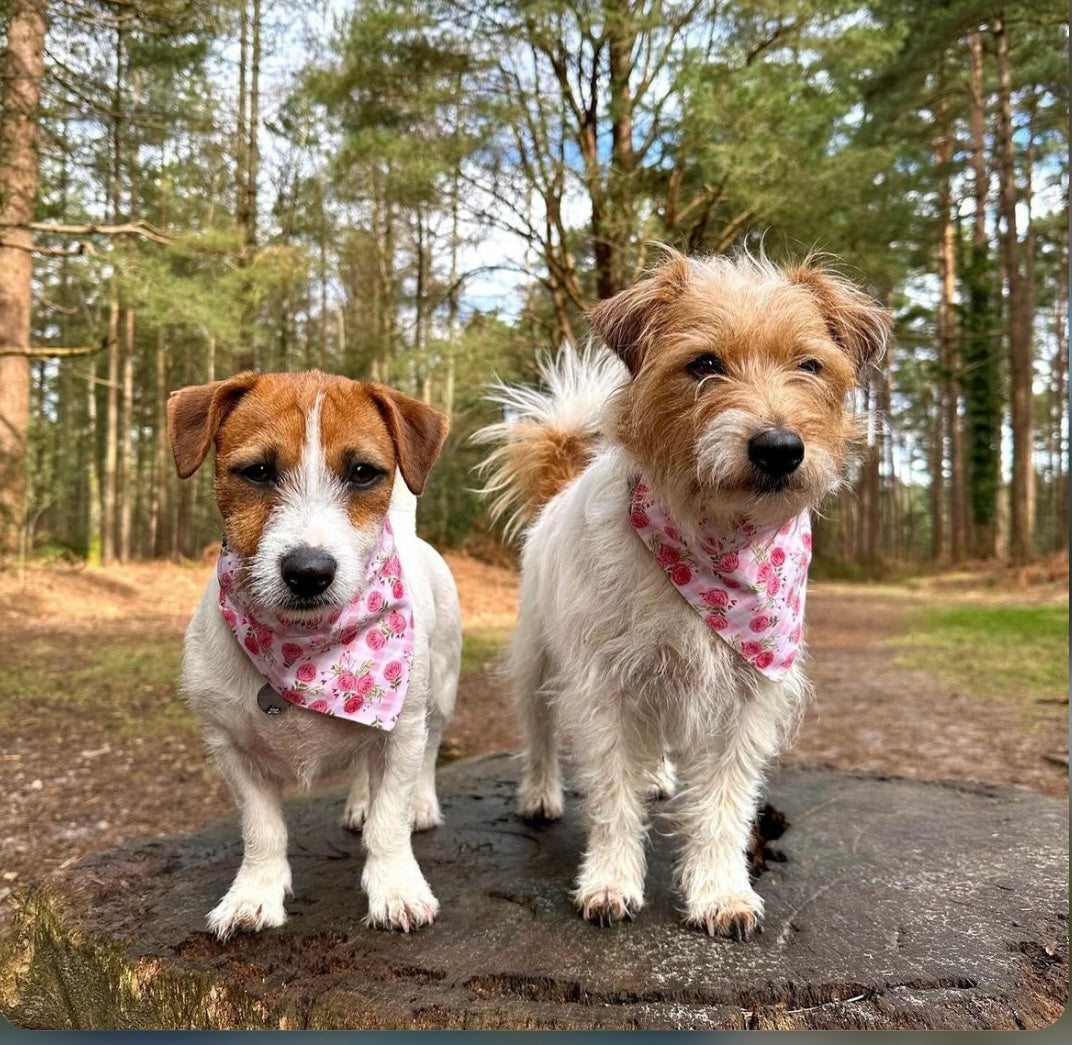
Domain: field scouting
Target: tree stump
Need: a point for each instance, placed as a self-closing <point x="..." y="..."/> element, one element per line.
<point x="890" y="903"/>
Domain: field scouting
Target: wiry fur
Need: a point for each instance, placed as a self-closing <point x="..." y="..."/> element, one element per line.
<point x="606" y="652"/>
<point x="549" y="432"/>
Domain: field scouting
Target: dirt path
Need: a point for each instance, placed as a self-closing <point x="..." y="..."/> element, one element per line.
<point x="96" y="747"/>
<point x="872" y="714"/>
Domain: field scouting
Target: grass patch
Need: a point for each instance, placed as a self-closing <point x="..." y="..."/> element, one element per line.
<point x="130" y="684"/>
<point x="482" y="647"/>
<point x="999" y="652"/>
<point x="127" y="684"/>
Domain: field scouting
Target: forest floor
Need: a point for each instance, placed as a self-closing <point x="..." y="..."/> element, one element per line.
<point x="951" y="676"/>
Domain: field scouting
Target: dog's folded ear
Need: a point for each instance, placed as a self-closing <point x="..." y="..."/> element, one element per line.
<point x="194" y="416"/>
<point x="417" y="430"/>
<point x="628" y="323"/>
<point x="856" y="321"/>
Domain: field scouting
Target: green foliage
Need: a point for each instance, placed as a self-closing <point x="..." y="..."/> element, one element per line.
<point x="403" y="143"/>
<point x="451" y="510"/>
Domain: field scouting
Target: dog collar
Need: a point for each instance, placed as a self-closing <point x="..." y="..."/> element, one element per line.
<point x="353" y="662"/>
<point x="747" y="585"/>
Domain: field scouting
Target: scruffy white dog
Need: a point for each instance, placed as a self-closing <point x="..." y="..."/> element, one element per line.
<point x="330" y="637"/>
<point x="662" y="590"/>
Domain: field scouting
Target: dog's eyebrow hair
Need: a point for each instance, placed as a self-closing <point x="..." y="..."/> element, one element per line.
<point x="254" y="455"/>
<point x="351" y="454"/>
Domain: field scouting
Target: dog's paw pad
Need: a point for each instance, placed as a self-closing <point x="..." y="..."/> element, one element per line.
<point x="607" y="906"/>
<point x="735" y="917"/>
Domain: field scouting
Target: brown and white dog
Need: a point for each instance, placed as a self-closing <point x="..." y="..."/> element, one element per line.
<point x="725" y="410"/>
<point x="309" y="470"/>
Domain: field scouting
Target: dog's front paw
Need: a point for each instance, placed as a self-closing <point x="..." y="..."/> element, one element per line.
<point x="426" y="813"/>
<point x="736" y="915"/>
<point x="539" y="804"/>
<point x="251" y="904"/>
<point x="355" y="813"/>
<point x="398" y="896"/>
<point x="607" y="904"/>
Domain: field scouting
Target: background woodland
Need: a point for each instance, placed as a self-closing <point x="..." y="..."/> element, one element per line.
<point x="430" y="193"/>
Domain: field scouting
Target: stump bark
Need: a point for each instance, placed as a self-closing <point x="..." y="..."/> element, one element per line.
<point x="890" y="904"/>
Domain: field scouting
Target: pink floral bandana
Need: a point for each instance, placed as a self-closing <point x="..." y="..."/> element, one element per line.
<point x="354" y="662"/>
<point x="748" y="586"/>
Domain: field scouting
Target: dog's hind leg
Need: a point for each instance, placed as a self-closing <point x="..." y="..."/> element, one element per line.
<point x="445" y="665"/>
<point x="357" y="801"/>
<point x="255" y="899"/>
<point x="426" y="812"/>
<point x="540" y="795"/>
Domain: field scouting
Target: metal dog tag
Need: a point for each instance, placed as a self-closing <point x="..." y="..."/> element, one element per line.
<point x="270" y="702"/>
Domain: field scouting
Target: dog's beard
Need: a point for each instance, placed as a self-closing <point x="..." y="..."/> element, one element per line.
<point x="729" y="487"/>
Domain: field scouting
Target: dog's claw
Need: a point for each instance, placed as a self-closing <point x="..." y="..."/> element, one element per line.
<point x="736" y="918"/>
<point x="607" y="907"/>
<point x="398" y="897"/>
<point x="402" y="915"/>
<point x="239" y="912"/>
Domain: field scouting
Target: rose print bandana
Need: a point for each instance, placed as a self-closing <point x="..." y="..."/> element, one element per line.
<point x="748" y="585"/>
<point x="353" y="662"/>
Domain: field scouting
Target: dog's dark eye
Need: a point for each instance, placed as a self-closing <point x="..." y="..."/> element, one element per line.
<point x="260" y="473"/>
<point x="706" y="365"/>
<point x="812" y="366"/>
<point x="363" y="475"/>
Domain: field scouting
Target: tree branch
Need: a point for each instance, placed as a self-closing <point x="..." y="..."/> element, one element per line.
<point x="50" y="252"/>
<point x="131" y="228"/>
<point x="44" y="352"/>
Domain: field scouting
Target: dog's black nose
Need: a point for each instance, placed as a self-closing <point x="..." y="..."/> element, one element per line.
<point x="308" y="571"/>
<point x="776" y="452"/>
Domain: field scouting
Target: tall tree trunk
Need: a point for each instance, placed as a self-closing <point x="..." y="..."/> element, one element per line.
<point x="241" y="161"/>
<point x="322" y="357"/>
<point x="159" y="496"/>
<point x="1059" y="417"/>
<point x="111" y="423"/>
<point x="947" y="328"/>
<point x="617" y="212"/>
<point x="127" y="478"/>
<point x="94" y="555"/>
<point x="129" y="488"/>
<point x="1022" y="493"/>
<point x="161" y="473"/>
<point x="252" y="152"/>
<point x="870" y="486"/>
<point x="935" y="459"/>
<point x="979" y="346"/>
<point x="23" y="69"/>
<point x="454" y="293"/>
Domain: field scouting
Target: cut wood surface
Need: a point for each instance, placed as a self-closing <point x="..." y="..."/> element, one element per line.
<point x="898" y="904"/>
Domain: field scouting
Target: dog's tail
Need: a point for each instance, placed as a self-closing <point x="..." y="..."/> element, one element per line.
<point x="549" y="432"/>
